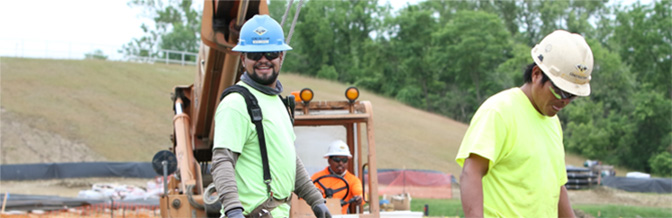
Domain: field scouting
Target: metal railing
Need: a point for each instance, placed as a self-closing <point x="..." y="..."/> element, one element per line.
<point x="25" y="48"/>
<point x="185" y="58"/>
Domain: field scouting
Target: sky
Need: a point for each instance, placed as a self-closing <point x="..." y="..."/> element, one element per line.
<point x="66" y="28"/>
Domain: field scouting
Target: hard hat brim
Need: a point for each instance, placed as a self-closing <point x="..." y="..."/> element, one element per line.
<point x="261" y="48"/>
<point x="329" y="155"/>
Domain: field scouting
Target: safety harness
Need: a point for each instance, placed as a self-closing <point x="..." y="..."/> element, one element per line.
<point x="256" y="117"/>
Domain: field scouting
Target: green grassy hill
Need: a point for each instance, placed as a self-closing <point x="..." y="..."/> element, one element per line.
<point x="122" y="112"/>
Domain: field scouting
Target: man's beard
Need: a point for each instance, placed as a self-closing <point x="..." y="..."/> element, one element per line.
<point x="264" y="81"/>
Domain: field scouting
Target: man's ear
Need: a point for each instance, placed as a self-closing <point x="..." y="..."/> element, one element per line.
<point x="536" y="74"/>
<point x="242" y="59"/>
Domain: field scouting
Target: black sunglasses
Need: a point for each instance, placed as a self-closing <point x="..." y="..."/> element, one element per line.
<point x="339" y="159"/>
<point x="257" y="55"/>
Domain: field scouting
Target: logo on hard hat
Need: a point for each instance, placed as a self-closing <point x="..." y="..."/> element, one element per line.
<point x="260" y="30"/>
<point x="580" y="72"/>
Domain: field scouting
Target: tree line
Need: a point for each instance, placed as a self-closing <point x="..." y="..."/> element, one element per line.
<point x="447" y="57"/>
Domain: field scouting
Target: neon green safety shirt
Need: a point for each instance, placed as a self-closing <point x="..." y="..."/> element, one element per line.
<point x="236" y="132"/>
<point x="526" y="154"/>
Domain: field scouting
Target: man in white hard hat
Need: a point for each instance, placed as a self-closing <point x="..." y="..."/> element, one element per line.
<point x="512" y="154"/>
<point x="333" y="177"/>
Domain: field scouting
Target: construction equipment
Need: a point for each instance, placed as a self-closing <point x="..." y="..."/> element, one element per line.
<point x="188" y="191"/>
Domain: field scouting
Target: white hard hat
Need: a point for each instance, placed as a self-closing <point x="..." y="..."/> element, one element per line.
<point x="567" y="60"/>
<point x="338" y="148"/>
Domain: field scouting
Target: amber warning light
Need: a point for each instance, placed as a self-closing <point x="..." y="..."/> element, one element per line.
<point x="306" y="95"/>
<point x="352" y="94"/>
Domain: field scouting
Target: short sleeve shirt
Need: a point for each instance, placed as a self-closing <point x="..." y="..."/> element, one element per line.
<point x="525" y="152"/>
<point x="235" y="131"/>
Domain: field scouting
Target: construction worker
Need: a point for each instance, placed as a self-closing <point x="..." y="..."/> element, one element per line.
<point x="238" y="168"/>
<point x="512" y="154"/>
<point x="338" y="156"/>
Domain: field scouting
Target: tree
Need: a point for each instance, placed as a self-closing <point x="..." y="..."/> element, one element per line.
<point x="662" y="164"/>
<point x="643" y="37"/>
<point x="623" y="122"/>
<point x="176" y="27"/>
<point x="96" y="54"/>
<point x="467" y="50"/>
<point x="334" y="33"/>
<point x="412" y="40"/>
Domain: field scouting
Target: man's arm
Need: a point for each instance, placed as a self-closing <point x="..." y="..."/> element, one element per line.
<point x="471" y="185"/>
<point x="303" y="186"/>
<point x="224" y="176"/>
<point x="564" y="207"/>
<point x="352" y="207"/>
<point x="357" y="192"/>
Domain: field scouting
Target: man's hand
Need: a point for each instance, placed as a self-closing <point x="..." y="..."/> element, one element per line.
<point x="320" y="211"/>
<point x="235" y="213"/>
<point x="358" y="200"/>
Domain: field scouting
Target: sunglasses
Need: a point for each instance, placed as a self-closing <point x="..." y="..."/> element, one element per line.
<point x="257" y="55"/>
<point x="559" y="94"/>
<point x="339" y="159"/>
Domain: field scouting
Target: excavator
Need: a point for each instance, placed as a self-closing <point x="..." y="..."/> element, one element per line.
<point x="188" y="187"/>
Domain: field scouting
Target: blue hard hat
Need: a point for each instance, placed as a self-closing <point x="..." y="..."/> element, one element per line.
<point x="261" y="33"/>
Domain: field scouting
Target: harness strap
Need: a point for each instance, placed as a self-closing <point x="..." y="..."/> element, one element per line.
<point x="256" y="117"/>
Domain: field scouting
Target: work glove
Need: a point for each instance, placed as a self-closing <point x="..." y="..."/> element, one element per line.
<point x="235" y="213"/>
<point x="321" y="211"/>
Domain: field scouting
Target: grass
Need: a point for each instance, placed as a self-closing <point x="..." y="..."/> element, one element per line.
<point x="123" y="110"/>
<point x="453" y="208"/>
<point x="617" y="211"/>
<point x="438" y="207"/>
<point x="120" y="110"/>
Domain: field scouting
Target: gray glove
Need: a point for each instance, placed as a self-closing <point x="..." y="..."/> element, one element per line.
<point x="321" y="211"/>
<point x="235" y="213"/>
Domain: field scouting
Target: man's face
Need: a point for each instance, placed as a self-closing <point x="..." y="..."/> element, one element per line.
<point x="544" y="95"/>
<point x="262" y="67"/>
<point x="338" y="164"/>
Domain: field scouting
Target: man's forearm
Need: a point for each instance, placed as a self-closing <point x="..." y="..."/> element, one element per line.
<point x="471" y="193"/>
<point x="224" y="177"/>
<point x="564" y="207"/>
<point x="303" y="186"/>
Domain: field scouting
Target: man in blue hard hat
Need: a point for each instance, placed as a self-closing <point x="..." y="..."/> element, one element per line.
<point x="239" y="170"/>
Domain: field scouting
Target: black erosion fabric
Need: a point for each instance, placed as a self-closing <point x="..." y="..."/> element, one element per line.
<point x="657" y="185"/>
<point x="76" y="170"/>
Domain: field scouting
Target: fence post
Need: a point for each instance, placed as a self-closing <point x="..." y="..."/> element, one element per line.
<point x="182" y="58"/>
